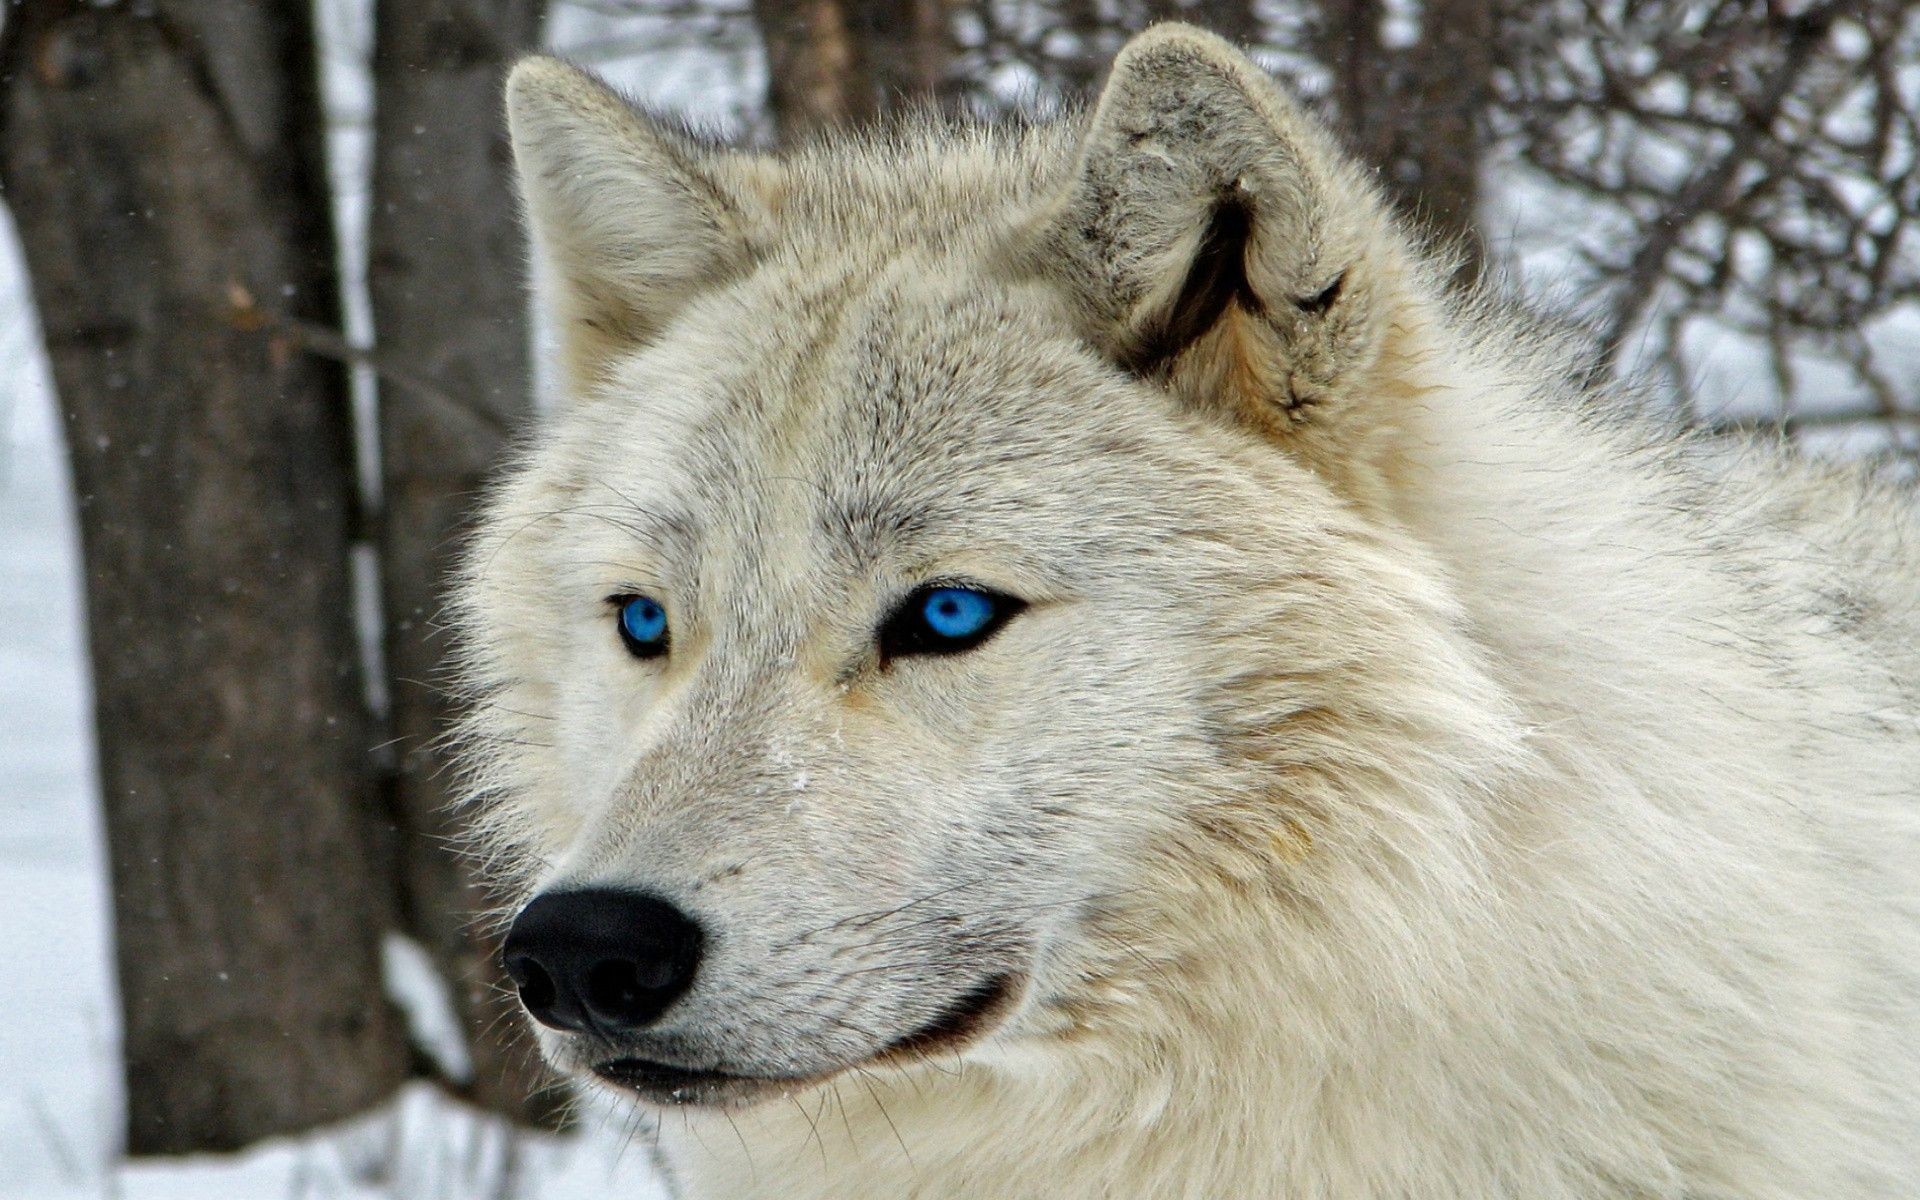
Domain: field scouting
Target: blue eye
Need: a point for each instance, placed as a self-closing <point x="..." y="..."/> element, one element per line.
<point x="643" y="625"/>
<point x="945" y="620"/>
<point x="957" y="612"/>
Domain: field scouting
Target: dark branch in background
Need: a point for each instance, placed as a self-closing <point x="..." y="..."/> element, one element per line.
<point x="1754" y="167"/>
<point x="1711" y="189"/>
<point x="1828" y="419"/>
<point x="329" y="343"/>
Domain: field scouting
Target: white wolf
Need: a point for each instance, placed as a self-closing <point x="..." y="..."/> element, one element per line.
<point x="1065" y="663"/>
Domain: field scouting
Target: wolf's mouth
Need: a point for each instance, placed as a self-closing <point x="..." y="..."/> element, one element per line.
<point x="664" y="1083"/>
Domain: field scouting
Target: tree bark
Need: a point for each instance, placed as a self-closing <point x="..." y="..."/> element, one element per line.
<point x="906" y="48"/>
<point x="1094" y="38"/>
<point x="1363" y="85"/>
<point x="1415" y="112"/>
<point x="816" y="77"/>
<point x="447" y="278"/>
<point x="164" y="162"/>
<point x="845" y="62"/>
<point x="1452" y="76"/>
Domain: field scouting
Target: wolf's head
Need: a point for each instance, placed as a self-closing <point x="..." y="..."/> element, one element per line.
<point x="958" y="551"/>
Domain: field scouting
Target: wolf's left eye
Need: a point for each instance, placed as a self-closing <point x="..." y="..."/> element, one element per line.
<point x="643" y="625"/>
<point x="945" y="620"/>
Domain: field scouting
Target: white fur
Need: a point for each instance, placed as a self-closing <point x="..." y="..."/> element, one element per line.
<point x="1414" y="778"/>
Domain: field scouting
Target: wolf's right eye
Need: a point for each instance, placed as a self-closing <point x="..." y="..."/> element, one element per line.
<point x="945" y="619"/>
<point x="642" y="622"/>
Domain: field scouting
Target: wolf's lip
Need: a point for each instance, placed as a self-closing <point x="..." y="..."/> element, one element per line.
<point x="665" y="1083"/>
<point x="959" y="1022"/>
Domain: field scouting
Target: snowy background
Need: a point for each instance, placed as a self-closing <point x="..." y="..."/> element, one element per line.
<point x="59" y="1101"/>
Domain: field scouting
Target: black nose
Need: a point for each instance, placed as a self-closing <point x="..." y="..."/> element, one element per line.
<point x="600" y="959"/>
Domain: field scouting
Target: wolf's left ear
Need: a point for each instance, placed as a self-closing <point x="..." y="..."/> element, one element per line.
<point x="1216" y="240"/>
<point x="627" y="222"/>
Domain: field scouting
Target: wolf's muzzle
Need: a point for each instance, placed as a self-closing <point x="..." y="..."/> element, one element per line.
<point x="601" y="960"/>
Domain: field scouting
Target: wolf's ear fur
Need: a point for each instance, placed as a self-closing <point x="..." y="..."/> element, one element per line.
<point x="1216" y="240"/>
<point x="626" y="224"/>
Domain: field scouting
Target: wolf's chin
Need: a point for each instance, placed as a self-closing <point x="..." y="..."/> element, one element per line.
<point x="969" y="1018"/>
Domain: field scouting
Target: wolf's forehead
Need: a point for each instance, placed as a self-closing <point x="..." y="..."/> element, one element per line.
<point x="921" y="184"/>
<point x="879" y="415"/>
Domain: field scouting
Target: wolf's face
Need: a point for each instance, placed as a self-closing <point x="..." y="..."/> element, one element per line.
<point x="882" y="843"/>
<point x="880" y="611"/>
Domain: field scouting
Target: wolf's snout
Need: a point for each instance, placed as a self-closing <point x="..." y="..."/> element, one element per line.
<point x="602" y="960"/>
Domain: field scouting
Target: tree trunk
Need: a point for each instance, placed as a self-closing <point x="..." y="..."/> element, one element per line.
<point x="1452" y="77"/>
<point x="1415" y="112"/>
<point x="816" y="77"/>
<point x="906" y="48"/>
<point x="164" y="162"/>
<point x="1094" y="37"/>
<point x="845" y="62"/>
<point x="1363" y="86"/>
<point x="447" y="279"/>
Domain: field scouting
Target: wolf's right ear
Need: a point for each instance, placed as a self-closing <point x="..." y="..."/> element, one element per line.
<point x="1215" y="240"/>
<point x="626" y="223"/>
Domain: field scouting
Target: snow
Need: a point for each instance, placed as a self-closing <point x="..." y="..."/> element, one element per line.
<point x="59" y="1034"/>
